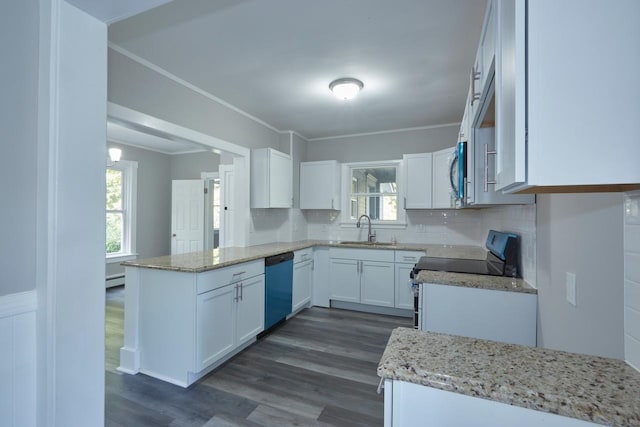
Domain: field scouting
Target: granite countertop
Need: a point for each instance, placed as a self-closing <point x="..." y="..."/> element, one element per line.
<point x="596" y="389"/>
<point x="196" y="262"/>
<point x="497" y="283"/>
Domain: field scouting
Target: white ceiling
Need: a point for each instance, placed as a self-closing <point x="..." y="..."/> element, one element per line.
<point x="275" y="59"/>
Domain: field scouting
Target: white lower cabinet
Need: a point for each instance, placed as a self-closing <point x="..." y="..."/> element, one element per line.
<point x="377" y="286"/>
<point x="302" y="283"/>
<point x="215" y="335"/>
<point x="364" y="276"/>
<point x="227" y="318"/>
<point x="407" y="405"/>
<point x="249" y="314"/>
<point x="191" y="322"/>
<point x="344" y="279"/>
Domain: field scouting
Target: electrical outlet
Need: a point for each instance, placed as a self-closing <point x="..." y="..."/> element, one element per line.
<point x="571" y="288"/>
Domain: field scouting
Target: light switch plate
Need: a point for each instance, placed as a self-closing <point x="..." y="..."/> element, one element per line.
<point x="571" y="288"/>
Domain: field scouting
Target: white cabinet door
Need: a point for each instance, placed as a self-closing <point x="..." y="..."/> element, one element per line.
<point x="271" y="179"/>
<point x="418" y="180"/>
<point x="250" y="309"/>
<point x="215" y="334"/>
<point x="320" y="268"/>
<point x="344" y="278"/>
<point x="404" y="294"/>
<point x="378" y="283"/>
<point x="510" y="94"/>
<point x="302" y="277"/>
<point x="280" y="180"/>
<point x="487" y="44"/>
<point x="320" y="185"/>
<point x="441" y="184"/>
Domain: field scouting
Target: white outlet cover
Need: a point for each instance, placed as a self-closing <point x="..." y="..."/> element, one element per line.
<point x="571" y="288"/>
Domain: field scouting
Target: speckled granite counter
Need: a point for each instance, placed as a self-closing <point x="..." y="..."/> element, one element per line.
<point x="597" y="389"/>
<point x="196" y="262"/>
<point x="498" y="283"/>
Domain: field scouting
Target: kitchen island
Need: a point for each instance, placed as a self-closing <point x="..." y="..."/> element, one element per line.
<point x="457" y="381"/>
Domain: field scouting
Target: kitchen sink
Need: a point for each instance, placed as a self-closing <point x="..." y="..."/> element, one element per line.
<point x="364" y="243"/>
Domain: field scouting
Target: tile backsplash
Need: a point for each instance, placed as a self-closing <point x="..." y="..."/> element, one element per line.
<point x="445" y="227"/>
<point x="632" y="279"/>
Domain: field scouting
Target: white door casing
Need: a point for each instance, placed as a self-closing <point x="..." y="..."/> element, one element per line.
<point x="227" y="185"/>
<point x="187" y="216"/>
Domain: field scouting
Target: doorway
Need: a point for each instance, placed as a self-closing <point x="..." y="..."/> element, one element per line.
<point x="212" y="211"/>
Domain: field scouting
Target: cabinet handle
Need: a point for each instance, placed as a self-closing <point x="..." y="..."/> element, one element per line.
<point x="475" y="75"/>
<point x="241" y="290"/>
<point x="486" y="167"/>
<point x="466" y="189"/>
<point x="313" y="264"/>
<point x="236" y="297"/>
<point x="405" y="203"/>
<point x="409" y="258"/>
<point x="331" y="203"/>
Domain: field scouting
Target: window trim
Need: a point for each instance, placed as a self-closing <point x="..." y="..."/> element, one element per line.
<point x="129" y="170"/>
<point x="346" y="220"/>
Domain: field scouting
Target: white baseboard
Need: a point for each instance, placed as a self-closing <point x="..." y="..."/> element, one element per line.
<point x="114" y="280"/>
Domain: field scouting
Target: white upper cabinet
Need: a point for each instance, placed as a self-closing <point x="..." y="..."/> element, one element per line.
<point x="271" y="179"/>
<point x="418" y="180"/>
<point x="320" y="185"/>
<point x="567" y="86"/>
<point x="441" y="186"/>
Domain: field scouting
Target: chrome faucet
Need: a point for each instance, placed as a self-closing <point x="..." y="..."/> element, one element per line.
<point x="371" y="237"/>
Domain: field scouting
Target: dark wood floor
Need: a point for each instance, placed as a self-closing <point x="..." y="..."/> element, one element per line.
<point x="318" y="369"/>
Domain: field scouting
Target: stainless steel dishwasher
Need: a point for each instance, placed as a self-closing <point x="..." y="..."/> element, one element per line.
<point x="278" y="288"/>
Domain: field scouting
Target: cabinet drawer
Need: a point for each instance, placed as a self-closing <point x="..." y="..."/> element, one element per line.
<point x="303" y="255"/>
<point x="362" y="254"/>
<point x="409" y="257"/>
<point x="219" y="277"/>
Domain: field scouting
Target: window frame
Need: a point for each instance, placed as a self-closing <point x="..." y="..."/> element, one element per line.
<point x="346" y="220"/>
<point x="129" y="169"/>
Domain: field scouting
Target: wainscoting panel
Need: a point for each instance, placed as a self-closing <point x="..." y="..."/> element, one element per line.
<point x="18" y="359"/>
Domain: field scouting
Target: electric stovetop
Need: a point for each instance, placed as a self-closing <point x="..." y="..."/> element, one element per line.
<point x="502" y="259"/>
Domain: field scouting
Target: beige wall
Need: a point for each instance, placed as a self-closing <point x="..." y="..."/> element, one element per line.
<point x="581" y="234"/>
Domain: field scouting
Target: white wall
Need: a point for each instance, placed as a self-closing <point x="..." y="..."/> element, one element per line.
<point x="632" y="279"/>
<point x="581" y="234"/>
<point x="153" y="226"/>
<point x="18" y="120"/>
<point x="18" y="359"/>
<point x="144" y="90"/>
<point x="189" y="166"/>
<point x="383" y="146"/>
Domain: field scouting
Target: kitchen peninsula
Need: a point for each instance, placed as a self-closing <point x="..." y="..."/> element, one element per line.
<point x="494" y="384"/>
<point x="186" y="314"/>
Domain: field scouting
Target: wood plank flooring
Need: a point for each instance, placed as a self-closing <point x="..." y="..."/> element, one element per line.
<point x="317" y="369"/>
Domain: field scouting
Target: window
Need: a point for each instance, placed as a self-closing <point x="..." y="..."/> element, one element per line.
<point x="373" y="191"/>
<point x="120" y="210"/>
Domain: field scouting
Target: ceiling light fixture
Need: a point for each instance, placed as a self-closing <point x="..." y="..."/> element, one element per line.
<point x="346" y="88"/>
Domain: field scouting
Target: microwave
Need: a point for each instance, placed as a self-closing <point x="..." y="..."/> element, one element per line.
<point x="458" y="174"/>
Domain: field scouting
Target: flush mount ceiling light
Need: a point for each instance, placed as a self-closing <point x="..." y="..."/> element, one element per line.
<point x="346" y="88"/>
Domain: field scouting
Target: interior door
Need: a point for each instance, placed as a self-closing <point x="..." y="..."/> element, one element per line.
<point x="187" y="216"/>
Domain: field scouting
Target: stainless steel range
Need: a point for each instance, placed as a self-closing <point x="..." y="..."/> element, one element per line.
<point x="503" y="259"/>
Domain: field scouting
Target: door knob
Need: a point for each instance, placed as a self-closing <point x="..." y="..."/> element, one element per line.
<point x="173" y="235"/>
